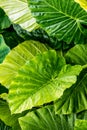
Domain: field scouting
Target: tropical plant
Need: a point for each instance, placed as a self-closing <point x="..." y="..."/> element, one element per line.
<point x="43" y="65"/>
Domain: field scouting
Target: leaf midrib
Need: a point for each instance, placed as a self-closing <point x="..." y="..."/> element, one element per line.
<point x="42" y="87"/>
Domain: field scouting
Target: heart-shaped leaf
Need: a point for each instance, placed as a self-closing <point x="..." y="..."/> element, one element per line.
<point x="41" y="80"/>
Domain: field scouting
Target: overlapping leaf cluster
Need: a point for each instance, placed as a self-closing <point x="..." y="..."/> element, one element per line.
<point x="43" y="65"/>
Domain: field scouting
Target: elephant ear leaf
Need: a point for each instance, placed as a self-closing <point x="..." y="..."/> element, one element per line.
<point x="59" y="19"/>
<point x="45" y="119"/>
<point x="17" y="58"/>
<point x="19" y="13"/>
<point x="74" y="99"/>
<point x="40" y="81"/>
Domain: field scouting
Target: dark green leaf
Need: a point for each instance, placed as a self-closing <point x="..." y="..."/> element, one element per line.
<point x="3" y="89"/>
<point x="12" y="39"/>
<point x="4" y="127"/>
<point x="4" y="49"/>
<point x="4" y="20"/>
<point x="64" y="19"/>
<point x="40" y="35"/>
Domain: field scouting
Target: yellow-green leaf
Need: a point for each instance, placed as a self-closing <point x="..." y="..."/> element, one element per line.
<point x="83" y="3"/>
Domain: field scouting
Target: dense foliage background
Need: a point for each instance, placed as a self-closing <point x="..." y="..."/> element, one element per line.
<point x="43" y="65"/>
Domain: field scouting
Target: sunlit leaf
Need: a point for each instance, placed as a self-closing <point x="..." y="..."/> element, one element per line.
<point x="17" y="58"/>
<point x="19" y="13"/>
<point x="80" y="124"/>
<point x="83" y="3"/>
<point x="41" y="80"/>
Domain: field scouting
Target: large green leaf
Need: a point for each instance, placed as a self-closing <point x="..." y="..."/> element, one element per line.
<point x="45" y="119"/>
<point x="4" y="20"/>
<point x="17" y="58"/>
<point x="61" y="18"/>
<point x="77" y="55"/>
<point x="42" y="36"/>
<point x="19" y="13"/>
<point x="74" y="99"/>
<point x="4" y="49"/>
<point x="41" y="80"/>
